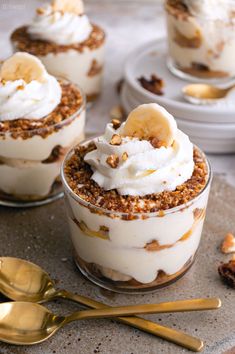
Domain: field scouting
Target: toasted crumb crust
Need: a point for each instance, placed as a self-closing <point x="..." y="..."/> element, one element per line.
<point x="71" y="101"/>
<point x="78" y="175"/>
<point x="24" y="42"/>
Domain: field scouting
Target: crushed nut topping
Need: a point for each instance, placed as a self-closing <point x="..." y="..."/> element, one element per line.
<point x="124" y="156"/>
<point x="113" y="161"/>
<point x="78" y="172"/>
<point x="228" y="244"/>
<point x="39" y="47"/>
<point x="154" y="84"/>
<point x="116" y="123"/>
<point x="71" y="101"/>
<point x="116" y="140"/>
<point x="227" y="273"/>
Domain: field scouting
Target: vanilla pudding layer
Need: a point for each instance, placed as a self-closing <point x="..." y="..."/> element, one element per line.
<point x="28" y="179"/>
<point x="83" y="68"/>
<point x="123" y="251"/>
<point x="39" y="148"/>
<point x="202" y="47"/>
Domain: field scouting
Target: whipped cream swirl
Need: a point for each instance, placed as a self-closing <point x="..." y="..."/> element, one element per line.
<point x="60" y="28"/>
<point x="147" y="169"/>
<point x="33" y="100"/>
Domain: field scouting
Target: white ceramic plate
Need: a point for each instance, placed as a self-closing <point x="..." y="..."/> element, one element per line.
<point x="151" y="58"/>
<point x="212" y="138"/>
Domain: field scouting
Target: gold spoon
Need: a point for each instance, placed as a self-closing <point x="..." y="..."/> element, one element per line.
<point x="21" y="280"/>
<point x="203" y="94"/>
<point x="29" y="323"/>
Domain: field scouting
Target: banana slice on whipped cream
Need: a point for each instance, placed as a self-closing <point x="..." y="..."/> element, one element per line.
<point x="72" y="6"/>
<point x="23" y="66"/>
<point x="149" y="121"/>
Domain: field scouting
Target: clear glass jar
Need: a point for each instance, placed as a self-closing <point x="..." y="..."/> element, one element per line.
<point x="138" y="252"/>
<point x="200" y="48"/>
<point x="30" y="162"/>
<point x="82" y="64"/>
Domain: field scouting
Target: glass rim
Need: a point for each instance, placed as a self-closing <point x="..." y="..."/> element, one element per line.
<point x="118" y="213"/>
<point x="63" y="122"/>
<point x="204" y="17"/>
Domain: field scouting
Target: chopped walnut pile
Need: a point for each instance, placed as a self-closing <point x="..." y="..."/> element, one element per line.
<point x="227" y="273"/>
<point x="154" y="84"/>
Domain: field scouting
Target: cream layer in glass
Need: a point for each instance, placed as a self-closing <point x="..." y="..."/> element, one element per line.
<point x="199" y="46"/>
<point x="23" y="173"/>
<point x="78" y="67"/>
<point x="143" y="253"/>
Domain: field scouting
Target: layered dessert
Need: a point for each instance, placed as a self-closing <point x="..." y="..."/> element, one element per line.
<point x="40" y="119"/>
<point x="136" y="200"/>
<point x="67" y="43"/>
<point x="201" y="38"/>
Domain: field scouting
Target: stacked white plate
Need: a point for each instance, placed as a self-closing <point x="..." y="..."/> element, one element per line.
<point x="210" y="127"/>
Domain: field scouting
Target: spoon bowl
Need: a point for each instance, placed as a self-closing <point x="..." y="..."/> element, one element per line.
<point x="21" y="280"/>
<point x="27" y="323"/>
<point x="204" y="94"/>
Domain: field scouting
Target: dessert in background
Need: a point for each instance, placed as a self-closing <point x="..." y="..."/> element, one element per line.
<point x="136" y="200"/>
<point x="40" y="119"/>
<point x="67" y="43"/>
<point x="201" y="38"/>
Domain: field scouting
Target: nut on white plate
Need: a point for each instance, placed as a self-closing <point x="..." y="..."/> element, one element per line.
<point x="72" y="6"/>
<point x="22" y="66"/>
<point x="150" y="121"/>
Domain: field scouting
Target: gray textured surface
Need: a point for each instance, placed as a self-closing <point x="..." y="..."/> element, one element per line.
<point x="41" y="235"/>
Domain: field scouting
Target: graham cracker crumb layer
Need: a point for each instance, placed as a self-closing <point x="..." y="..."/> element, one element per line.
<point x="71" y="101"/>
<point x="22" y="40"/>
<point x="78" y="175"/>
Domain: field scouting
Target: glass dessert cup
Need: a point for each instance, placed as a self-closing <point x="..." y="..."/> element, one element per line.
<point x="80" y="63"/>
<point x="30" y="160"/>
<point x="134" y="252"/>
<point x="200" y="49"/>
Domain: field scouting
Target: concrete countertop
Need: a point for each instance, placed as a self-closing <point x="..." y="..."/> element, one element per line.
<point x="41" y="234"/>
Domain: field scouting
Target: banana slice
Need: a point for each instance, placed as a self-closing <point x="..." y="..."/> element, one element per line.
<point x="22" y="66"/>
<point x="150" y="121"/>
<point x="73" y="6"/>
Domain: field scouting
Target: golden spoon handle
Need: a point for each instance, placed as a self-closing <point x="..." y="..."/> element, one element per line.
<point x="165" y="307"/>
<point x="172" y="335"/>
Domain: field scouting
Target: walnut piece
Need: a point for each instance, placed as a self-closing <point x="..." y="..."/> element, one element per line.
<point x="156" y="143"/>
<point x="113" y="161"/>
<point x="116" y="140"/>
<point x="227" y="273"/>
<point x="116" y="123"/>
<point x="154" y="84"/>
<point x="124" y="156"/>
<point x="228" y="244"/>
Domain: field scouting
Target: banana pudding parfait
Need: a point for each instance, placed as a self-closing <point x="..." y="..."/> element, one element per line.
<point x="136" y="200"/>
<point x="69" y="45"/>
<point x="41" y="118"/>
<point x="201" y="39"/>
